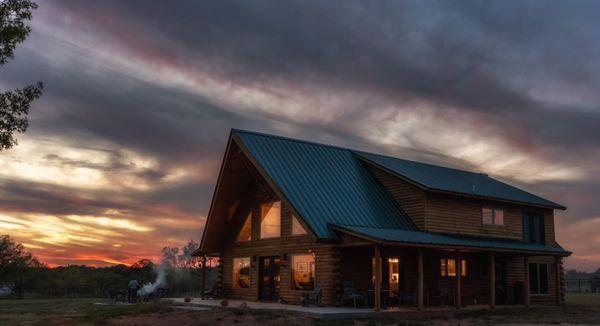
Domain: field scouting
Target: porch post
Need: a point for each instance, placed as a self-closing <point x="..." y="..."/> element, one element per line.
<point x="203" y="277"/>
<point x="526" y="281"/>
<point x="492" y="281"/>
<point x="377" y="278"/>
<point x="458" y="287"/>
<point x="558" y="285"/>
<point x="420" y="284"/>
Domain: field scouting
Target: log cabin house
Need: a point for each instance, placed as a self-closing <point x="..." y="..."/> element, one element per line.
<point x="290" y="217"/>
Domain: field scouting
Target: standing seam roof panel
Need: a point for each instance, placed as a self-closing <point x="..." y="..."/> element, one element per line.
<point x="325" y="184"/>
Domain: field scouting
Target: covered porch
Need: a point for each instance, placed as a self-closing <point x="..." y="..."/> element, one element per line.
<point x="439" y="271"/>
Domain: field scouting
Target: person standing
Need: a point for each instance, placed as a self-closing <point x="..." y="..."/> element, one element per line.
<point x="132" y="289"/>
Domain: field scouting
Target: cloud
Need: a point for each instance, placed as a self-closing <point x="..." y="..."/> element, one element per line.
<point x="140" y="97"/>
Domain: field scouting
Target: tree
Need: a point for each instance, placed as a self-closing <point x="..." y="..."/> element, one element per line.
<point x="14" y="105"/>
<point x="17" y="266"/>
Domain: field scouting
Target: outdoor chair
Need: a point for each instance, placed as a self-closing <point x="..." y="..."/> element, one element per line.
<point x="113" y="295"/>
<point x="313" y="296"/>
<point x="407" y="297"/>
<point x="211" y="293"/>
<point x="350" y="293"/>
<point x="442" y="297"/>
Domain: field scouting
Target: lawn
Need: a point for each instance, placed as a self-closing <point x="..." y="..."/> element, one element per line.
<point x="580" y="309"/>
<point x="69" y="311"/>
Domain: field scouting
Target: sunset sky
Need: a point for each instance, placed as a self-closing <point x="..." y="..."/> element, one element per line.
<point x="124" y="146"/>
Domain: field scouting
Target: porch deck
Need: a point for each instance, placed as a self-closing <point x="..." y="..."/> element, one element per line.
<point x="331" y="312"/>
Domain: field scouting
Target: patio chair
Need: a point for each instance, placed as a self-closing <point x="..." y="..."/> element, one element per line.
<point x="313" y="297"/>
<point x="113" y="295"/>
<point x="442" y="297"/>
<point x="407" y="297"/>
<point x="350" y="293"/>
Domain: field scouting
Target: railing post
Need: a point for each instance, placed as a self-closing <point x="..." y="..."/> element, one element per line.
<point x="420" y="280"/>
<point x="458" y="285"/>
<point x="203" y="277"/>
<point x="526" y="290"/>
<point x="492" y="281"/>
<point x="377" y="277"/>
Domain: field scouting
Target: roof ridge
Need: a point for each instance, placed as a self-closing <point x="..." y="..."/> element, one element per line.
<point x="355" y="151"/>
<point x="292" y="139"/>
<point x="430" y="164"/>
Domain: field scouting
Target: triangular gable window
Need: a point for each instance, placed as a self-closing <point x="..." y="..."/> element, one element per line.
<point x="246" y="231"/>
<point x="297" y="228"/>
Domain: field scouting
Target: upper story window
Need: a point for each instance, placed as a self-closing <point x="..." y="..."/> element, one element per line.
<point x="270" y="220"/>
<point x="533" y="228"/>
<point x="246" y="231"/>
<point x="492" y="216"/>
<point x="297" y="228"/>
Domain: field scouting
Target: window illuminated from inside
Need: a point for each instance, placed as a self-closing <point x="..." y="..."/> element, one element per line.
<point x="241" y="273"/>
<point x="448" y="267"/>
<point x="297" y="228"/>
<point x="492" y="216"/>
<point x="270" y="220"/>
<point x="246" y="231"/>
<point x="394" y="273"/>
<point x="303" y="272"/>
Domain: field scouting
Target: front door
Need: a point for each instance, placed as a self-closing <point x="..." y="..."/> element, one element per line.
<point x="269" y="277"/>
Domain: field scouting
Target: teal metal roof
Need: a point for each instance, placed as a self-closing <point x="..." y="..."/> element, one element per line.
<point x="325" y="184"/>
<point x="425" y="238"/>
<point x="435" y="177"/>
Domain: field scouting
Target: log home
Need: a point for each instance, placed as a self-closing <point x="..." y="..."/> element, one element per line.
<point x="290" y="217"/>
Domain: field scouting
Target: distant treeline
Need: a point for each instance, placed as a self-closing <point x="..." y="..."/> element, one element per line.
<point x="573" y="274"/>
<point x="21" y="274"/>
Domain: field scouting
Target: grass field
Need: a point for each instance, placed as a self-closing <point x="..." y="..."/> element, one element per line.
<point x="69" y="311"/>
<point x="580" y="309"/>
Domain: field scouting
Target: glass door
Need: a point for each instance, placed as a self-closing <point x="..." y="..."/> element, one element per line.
<point x="269" y="278"/>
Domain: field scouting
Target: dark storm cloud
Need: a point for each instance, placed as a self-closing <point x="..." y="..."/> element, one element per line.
<point x="459" y="53"/>
<point x="524" y="72"/>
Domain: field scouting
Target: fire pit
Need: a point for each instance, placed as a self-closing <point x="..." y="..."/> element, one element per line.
<point x="153" y="296"/>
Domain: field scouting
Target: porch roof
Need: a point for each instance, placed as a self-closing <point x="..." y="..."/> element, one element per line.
<point x="436" y="239"/>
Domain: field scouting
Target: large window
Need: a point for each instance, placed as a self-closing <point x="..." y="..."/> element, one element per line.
<point x="241" y="273"/>
<point x="297" y="228"/>
<point x="538" y="278"/>
<point x="492" y="216"/>
<point x="533" y="228"/>
<point x="303" y="272"/>
<point x="246" y="231"/>
<point x="270" y="220"/>
<point x="448" y="267"/>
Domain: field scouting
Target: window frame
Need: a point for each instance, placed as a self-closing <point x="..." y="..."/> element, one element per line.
<point x="233" y="274"/>
<point x="248" y="219"/>
<point x="445" y="272"/>
<point x="537" y="277"/>
<point x="297" y="220"/>
<point x="494" y="210"/>
<point x="312" y="270"/>
<point x="261" y="218"/>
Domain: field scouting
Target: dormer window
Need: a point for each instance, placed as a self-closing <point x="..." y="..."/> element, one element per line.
<point x="492" y="216"/>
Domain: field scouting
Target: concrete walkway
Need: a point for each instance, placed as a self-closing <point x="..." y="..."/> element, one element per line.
<point x="326" y="312"/>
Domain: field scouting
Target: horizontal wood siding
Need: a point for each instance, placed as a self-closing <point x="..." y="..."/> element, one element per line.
<point x="516" y="274"/>
<point x="327" y="260"/>
<point x="462" y="215"/>
<point x="410" y="197"/>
